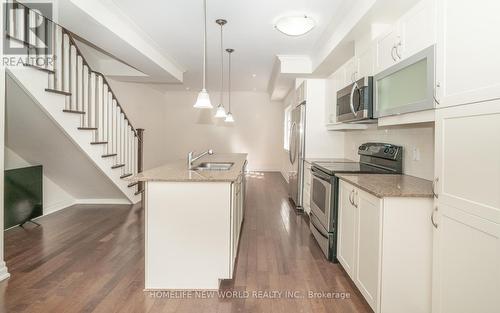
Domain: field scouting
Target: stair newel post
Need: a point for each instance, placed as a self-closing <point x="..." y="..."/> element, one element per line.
<point x="140" y="158"/>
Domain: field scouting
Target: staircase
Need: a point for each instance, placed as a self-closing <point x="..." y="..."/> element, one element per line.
<point x="79" y="99"/>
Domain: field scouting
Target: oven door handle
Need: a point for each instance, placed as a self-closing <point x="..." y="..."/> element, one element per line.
<point x="318" y="228"/>
<point x="320" y="175"/>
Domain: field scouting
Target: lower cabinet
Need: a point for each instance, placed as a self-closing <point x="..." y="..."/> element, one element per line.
<point x="237" y="211"/>
<point x="385" y="246"/>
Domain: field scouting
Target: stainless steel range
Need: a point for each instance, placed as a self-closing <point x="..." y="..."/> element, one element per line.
<point x="375" y="158"/>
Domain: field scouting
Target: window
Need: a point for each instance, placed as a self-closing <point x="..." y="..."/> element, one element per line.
<point x="286" y="124"/>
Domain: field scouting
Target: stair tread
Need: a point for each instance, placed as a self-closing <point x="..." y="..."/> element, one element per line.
<point x="73" y="111"/>
<point x="109" y="155"/>
<point x="126" y="175"/>
<point x="99" y="143"/>
<point x="117" y="166"/>
<point x="87" y="128"/>
<point x="60" y="92"/>
<point x="133" y="184"/>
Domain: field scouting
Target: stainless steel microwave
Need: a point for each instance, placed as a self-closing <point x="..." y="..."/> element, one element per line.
<point x="355" y="102"/>
<point x="407" y="86"/>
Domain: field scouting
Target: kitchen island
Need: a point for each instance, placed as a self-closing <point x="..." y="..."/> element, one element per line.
<point x="193" y="221"/>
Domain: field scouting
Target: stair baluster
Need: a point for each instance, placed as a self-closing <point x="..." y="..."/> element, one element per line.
<point x="86" y="91"/>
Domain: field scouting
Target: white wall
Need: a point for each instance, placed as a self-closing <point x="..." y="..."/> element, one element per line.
<point x="173" y="127"/>
<point x="420" y="137"/>
<point x="55" y="198"/>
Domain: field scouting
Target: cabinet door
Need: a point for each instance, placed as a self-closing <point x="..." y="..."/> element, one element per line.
<point x="351" y="71"/>
<point x="385" y="49"/>
<point x="418" y="28"/>
<point x="346" y="249"/>
<point x="468" y="58"/>
<point x="365" y="63"/>
<point x="333" y="84"/>
<point x="467" y="237"/>
<point x="368" y="242"/>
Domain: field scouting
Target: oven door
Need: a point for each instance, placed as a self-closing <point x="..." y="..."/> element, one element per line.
<point x="321" y="198"/>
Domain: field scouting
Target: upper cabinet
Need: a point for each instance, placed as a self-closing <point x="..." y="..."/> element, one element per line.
<point x="412" y="33"/>
<point x="468" y="61"/>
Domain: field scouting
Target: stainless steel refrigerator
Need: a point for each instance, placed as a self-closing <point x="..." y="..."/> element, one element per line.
<point x="296" y="152"/>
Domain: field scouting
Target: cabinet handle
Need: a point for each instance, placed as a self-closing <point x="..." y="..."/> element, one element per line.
<point x="351" y="197"/>
<point x="435" y="93"/>
<point x="354" y="197"/>
<point x="397" y="51"/>
<point x="434" y="182"/>
<point x="392" y="53"/>
<point x="432" y="218"/>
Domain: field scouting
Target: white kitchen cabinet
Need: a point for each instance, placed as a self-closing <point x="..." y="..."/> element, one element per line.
<point x="467" y="209"/>
<point x="413" y="32"/>
<point x="368" y="241"/>
<point x="237" y="203"/>
<point x="307" y="187"/>
<point x="351" y="72"/>
<point x="468" y="58"/>
<point x="347" y="228"/>
<point x="386" y="45"/>
<point x="365" y="63"/>
<point x="385" y="246"/>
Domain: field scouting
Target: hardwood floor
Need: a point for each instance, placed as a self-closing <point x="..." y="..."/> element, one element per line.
<point x="91" y="259"/>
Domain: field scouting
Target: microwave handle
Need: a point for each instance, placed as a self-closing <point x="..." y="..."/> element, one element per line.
<point x="354" y="87"/>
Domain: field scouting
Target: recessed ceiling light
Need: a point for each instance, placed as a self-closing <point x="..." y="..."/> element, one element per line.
<point x="297" y="25"/>
<point x="254" y="75"/>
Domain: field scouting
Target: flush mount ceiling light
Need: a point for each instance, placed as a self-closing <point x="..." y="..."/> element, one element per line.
<point x="203" y="101"/>
<point x="297" y="25"/>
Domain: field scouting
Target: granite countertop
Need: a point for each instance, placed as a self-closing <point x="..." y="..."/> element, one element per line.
<point x="390" y="185"/>
<point x="339" y="160"/>
<point x="177" y="171"/>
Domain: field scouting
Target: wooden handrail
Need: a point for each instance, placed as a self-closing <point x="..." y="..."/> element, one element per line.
<point x="84" y="61"/>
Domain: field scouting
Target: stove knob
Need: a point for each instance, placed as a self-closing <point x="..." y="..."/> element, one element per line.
<point x="386" y="150"/>
<point x="391" y="151"/>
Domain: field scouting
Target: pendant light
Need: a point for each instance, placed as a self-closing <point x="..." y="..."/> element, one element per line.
<point x="203" y="101"/>
<point x="221" y="112"/>
<point x="229" y="116"/>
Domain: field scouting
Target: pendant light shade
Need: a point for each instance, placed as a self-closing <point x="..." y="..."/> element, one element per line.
<point x="229" y="116"/>
<point x="221" y="111"/>
<point x="203" y="101"/>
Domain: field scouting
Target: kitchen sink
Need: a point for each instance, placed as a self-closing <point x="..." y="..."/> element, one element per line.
<point x="214" y="166"/>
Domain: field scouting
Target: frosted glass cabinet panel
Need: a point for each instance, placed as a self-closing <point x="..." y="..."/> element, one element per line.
<point x="407" y="86"/>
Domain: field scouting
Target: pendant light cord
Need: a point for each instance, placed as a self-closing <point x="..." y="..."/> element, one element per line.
<point x="221" y="67"/>
<point x="229" y="83"/>
<point x="205" y="44"/>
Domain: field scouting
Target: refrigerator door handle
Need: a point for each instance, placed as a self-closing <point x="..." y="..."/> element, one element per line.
<point x="293" y="143"/>
<point x="290" y="142"/>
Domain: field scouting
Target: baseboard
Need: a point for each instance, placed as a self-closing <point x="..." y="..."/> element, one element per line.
<point x="102" y="201"/>
<point x="4" y="274"/>
<point x="57" y="206"/>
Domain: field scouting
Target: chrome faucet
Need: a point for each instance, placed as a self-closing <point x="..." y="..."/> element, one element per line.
<point x="192" y="158"/>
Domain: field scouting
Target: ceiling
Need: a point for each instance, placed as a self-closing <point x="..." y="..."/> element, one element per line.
<point x="176" y="27"/>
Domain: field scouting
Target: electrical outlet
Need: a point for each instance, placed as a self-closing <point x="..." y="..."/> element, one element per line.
<point x="416" y="154"/>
